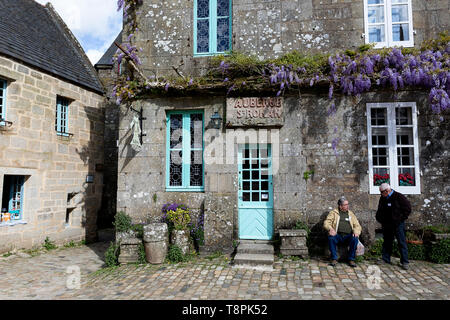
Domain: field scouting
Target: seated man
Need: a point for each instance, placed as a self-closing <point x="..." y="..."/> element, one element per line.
<point x="342" y="226"/>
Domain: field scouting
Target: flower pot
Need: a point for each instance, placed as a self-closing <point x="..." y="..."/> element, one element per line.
<point x="414" y="241"/>
<point x="129" y="246"/>
<point x="293" y="242"/>
<point x="181" y="239"/>
<point x="156" y="241"/>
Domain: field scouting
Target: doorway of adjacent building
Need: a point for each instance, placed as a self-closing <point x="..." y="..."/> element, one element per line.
<point x="255" y="195"/>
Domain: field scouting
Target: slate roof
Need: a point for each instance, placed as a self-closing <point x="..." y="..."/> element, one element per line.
<point x="106" y="59"/>
<point x="37" y="36"/>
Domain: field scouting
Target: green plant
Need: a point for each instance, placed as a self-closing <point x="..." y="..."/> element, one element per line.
<point x="7" y="254"/>
<point x="155" y="197"/>
<point x="112" y="255"/>
<point x="138" y="229"/>
<point x="48" y="244"/>
<point x="438" y="229"/>
<point x="215" y="255"/>
<point x="180" y="218"/>
<point x="142" y="258"/>
<point x="440" y="251"/>
<point x="175" y="254"/>
<point x="300" y="225"/>
<point x="411" y="235"/>
<point x="122" y="222"/>
<point x="307" y="174"/>
<point x="70" y="244"/>
<point x="416" y="251"/>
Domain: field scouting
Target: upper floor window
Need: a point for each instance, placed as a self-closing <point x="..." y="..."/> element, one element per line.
<point x="62" y="116"/>
<point x="388" y="23"/>
<point x="184" y="156"/>
<point x="212" y="26"/>
<point x="2" y="101"/>
<point x="393" y="149"/>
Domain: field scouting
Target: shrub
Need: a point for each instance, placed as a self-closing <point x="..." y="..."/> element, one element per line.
<point x="438" y="229"/>
<point x="142" y="258"/>
<point x="197" y="230"/>
<point x="180" y="218"/>
<point x="175" y="254"/>
<point x="122" y="222"/>
<point x="112" y="255"/>
<point x="300" y="225"/>
<point x="440" y="251"/>
<point x="48" y="244"/>
<point x="416" y="251"/>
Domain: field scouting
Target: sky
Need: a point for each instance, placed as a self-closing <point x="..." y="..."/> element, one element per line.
<point x="95" y="23"/>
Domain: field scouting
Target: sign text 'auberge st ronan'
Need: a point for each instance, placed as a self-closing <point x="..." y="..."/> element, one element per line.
<point x="255" y="111"/>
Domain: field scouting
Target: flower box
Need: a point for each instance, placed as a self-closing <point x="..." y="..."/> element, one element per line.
<point x="293" y="242"/>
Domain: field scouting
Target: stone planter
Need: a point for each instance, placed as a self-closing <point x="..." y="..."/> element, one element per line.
<point x="129" y="246"/>
<point x="293" y="242"/>
<point x="181" y="239"/>
<point x="156" y="242"/>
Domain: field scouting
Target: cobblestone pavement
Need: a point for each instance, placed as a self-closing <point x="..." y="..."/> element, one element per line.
<point x="46" y="277"/>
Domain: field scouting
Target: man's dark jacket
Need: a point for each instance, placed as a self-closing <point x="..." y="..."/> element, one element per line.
<point x="395" y="213"/>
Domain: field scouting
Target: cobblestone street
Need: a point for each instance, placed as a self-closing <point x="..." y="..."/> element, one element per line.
<point x="46" y="276"/>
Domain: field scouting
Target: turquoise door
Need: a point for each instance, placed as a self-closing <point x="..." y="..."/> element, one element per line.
<point x="255" y="195"/>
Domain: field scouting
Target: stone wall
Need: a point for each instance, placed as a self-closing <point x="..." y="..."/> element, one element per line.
<point x="267" y="29"/>
<point x="55" y="167"/>
<point x="304" y="144"/>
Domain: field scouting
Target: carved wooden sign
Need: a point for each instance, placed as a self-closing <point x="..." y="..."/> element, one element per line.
<point x="255" y="111"/>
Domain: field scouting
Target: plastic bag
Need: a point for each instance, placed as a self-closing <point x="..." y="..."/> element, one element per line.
<point x="360" y="249"/>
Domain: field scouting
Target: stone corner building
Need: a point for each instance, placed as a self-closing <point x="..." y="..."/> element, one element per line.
<point x="293" y="170"/>
<point x="51" y="130"/>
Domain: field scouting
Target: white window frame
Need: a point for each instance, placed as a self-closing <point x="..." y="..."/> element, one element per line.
<point x="393" y="166"/>
<point x="388" y="26"/>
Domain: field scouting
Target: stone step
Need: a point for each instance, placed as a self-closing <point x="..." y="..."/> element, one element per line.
<point x="253" y="259"/>
<point x="255" y="248"/>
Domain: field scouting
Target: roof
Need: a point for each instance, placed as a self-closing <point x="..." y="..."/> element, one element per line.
<point x="106" y="59"/>
<point x="36" y="35"/>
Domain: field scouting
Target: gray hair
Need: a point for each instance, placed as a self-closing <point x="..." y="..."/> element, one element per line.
<point x="384" y="186"/>
<point x="341" y="201"/>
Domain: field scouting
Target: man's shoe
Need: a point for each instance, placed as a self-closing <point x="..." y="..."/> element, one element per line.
<point x="333" y="263"/>
<point x="352" y="264"/>
<point x="382" y="261"/>
<point x="404" y="266"/>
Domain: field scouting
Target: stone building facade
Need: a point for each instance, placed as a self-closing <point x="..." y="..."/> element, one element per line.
<point x="302" y="160"/>
<point x="51" y="131"/>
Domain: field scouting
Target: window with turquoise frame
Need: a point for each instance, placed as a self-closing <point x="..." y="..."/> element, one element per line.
<point x="62" y="115"/>
<point x="2" y="101"/>
<point x="12" y="198"/>
<point x="212" y="26"/>
<point x="184" y="151"/>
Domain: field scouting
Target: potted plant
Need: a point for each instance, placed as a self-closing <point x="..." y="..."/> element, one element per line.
<point x="413" y="238"/>
<point x="179" y="220"/>
<point x="128" y="238"/>
<point x="293" y="241"/>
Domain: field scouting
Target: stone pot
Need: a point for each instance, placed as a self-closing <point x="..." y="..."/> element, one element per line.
<point x="293" y="242"/>
<point x="181" y="238"/>
<point x="156" y="242"/>
<point x="129" y="246"/>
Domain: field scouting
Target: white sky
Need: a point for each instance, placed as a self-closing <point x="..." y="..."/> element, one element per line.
<point x="95" y="23"/>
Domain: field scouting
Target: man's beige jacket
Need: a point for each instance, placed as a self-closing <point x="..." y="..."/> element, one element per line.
<point x="332" y="221"/>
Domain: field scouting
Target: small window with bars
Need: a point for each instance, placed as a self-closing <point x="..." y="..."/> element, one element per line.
<point x="62" y="116"/>
<point x="393" y="146"/>
<point x="212" y="26"/>
<point x="185" y="170"/>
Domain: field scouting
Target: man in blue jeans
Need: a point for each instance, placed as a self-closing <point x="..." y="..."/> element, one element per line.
<point x="393" y="210"/>
<point x="342" y="226"/>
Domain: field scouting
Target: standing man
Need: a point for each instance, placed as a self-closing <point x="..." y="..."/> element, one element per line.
<point x="342" y="226"/>
<point x="393" y="210"/>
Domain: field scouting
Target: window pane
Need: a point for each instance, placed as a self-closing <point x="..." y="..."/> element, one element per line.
<point x="405" y="136"/>
<point x="264" y="175"/>
<point x="405" y="156"/>
<point x="246" y="185"/>
<point x="196" y="131"/>
<point x="376" y="1"/>
<point x="380" y="156"/>
<point x="202" y="36"/>
<point x="223" y="34"/>
<point x="264" y="185"/>
<point x="176" y="168"/>
<point x="196" y="174"/>
<point x="376" y="14"/>
<point x="406" y="177"/>
<point x="246" y="196"/>
<point x="176" y="131"/>
<point x="400" y="13"/>
<point x="255" y="174"/>
<point x="223" y="8"/>
<point x="400" y="32"/>
<point x="255" y="196"/>
<point x="380" y="175"/>
<point x="403" y="116"/>
<point x="255" y="185"/>
<point x="378" y="116"/>
<point x="376" y="34"/>
<point x="380" y="137"/>
<point x="246" y="164"/>
<point x="202" y="8"/>
<point x="246" y="174"/>
<point x="255" y="164"/>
